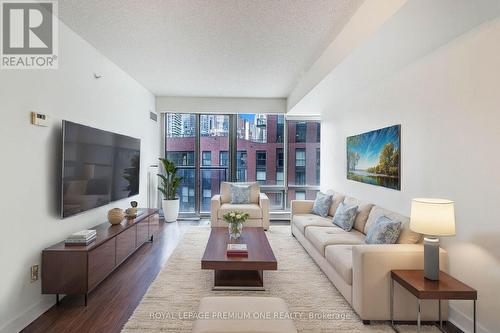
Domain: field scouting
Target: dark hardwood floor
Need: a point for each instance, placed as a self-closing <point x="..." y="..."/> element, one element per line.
<point x="112" y="303"/>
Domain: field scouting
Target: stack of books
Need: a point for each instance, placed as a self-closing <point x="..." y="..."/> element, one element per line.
<point x="237" y="250"/>
<point x="84" y="237"/>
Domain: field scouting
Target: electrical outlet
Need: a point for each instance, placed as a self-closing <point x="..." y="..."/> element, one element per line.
<point x="34" y="273"/>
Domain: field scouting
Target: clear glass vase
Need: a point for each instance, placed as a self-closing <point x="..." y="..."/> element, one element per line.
<point x="235" y="230"/>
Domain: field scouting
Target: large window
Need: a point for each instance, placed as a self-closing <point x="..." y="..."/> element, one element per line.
<point x="280" y="175"/>
<point x="181" y="134"/>
<point x="182" y="158"/>
<point x="241" y="166"/>
<point x="259" y="136"/>
<point x="206" y="158"/>
<point x="303" y="162"/>
<point x="280" y="129"/>
<point x="282" y="155"/>
<point x="300" y="166"/>
<point x="260" y="166"/>
<point x="300" y="195"/>
<point x="262" y="138"/>
<point x="300" y="131"/>
<point x="214" y="138"/>
<point x="223" y="158"/>
<point x="180" y="140"/>
<point x="300" y="158"/>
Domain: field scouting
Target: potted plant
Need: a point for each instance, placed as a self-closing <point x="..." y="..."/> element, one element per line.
<point x="235" y="222"/>
<point x="168" y="187"/>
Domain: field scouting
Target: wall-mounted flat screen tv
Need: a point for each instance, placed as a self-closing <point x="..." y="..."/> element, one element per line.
<point x="99" y="167"/>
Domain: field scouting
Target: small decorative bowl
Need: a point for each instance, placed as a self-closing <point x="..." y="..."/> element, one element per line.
<point x="116" y="216"/>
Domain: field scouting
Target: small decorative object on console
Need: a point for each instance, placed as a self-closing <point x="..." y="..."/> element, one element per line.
<point x="237" y="250"/>
<point x="84" y="237"/>
<point x="116" y="216"/>
<point x="235" y="222"/>
<point x="131" y="213"/>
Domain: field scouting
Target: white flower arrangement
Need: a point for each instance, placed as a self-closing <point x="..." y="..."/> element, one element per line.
<point x="235" y="217"/>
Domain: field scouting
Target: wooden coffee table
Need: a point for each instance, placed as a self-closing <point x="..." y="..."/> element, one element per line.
<point x="239" y="273"/>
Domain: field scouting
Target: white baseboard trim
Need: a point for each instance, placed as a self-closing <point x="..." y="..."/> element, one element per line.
<point x="463" y="321"/>
<point x="24" y="319"/>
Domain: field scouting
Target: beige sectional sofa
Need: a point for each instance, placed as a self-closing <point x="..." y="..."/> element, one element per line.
<point x="361" y="272"/>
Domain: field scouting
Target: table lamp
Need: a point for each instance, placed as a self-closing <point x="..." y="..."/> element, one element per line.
<point x="432" y="217"/>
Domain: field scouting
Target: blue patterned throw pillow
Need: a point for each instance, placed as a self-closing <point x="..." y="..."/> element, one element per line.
<point x="383" y="231"/>
<point x="345" y="216"/>
<point x="322" y="204"/>
<point x="240" y="194"/>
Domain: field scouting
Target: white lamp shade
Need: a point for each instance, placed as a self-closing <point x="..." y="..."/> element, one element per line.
<point x="435" y="217"/>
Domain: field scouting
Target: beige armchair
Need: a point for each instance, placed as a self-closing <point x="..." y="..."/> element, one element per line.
<point x="258" y="209"/>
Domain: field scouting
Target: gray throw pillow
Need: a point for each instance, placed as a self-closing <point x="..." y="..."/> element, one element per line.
<point x="345" y="216"/>
<point x="322" y="204"/>
<point x="240" y="194"/>
<point x="383" y="231"/>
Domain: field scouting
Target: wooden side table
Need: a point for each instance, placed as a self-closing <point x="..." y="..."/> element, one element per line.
<point x="447" y="288"/>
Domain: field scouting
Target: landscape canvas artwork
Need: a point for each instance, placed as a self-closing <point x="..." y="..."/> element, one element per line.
<point x="375" y="157"/>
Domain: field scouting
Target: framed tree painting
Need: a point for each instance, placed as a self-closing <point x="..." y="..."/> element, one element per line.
<point x="375" y="157"/>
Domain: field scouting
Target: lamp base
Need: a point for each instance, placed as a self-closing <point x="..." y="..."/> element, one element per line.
<point x="431" y="258"/>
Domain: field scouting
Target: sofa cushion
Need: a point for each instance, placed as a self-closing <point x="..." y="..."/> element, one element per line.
<point x="240" y="194"/>
<point x="344" y="216"/>
<point x="383" y="231"/>
<point x="321" y="237"/>
<point x="302" y="221"/>
<point x="322" y="204"/>
<point x="406" y="236"/>
<point x="364" y="209"/>
<point x="337" y="199"/>
<point x="253" y="210"/>
<point x="340" y="257"/>
<point x="225" y="191"/>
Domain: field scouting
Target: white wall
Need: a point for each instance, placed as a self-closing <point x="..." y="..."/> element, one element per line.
<point x="448" y="103"/>
<point x="30" y="163"/>
<point x="362" y="25"/>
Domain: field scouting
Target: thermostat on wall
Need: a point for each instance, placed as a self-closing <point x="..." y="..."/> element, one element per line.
<point x="39" y="119"/>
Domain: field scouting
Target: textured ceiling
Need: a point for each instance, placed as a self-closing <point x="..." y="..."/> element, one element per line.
<point x="237" y="48"/>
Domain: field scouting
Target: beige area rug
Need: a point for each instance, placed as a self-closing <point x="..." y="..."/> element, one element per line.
<point x="177" y="290"/>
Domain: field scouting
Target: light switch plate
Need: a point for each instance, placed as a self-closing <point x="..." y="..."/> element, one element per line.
<point x="39" y="119"/>
<point x="34" y="273"/>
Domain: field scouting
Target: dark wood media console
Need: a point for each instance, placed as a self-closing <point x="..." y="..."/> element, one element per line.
<point x="79" y="269"/>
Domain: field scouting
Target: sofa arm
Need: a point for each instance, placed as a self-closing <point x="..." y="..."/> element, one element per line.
<point x="371" y="267"/>
<point x="301" y="206"/>
<point x="214" y="210"/>
<point x="264" y="206"/>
